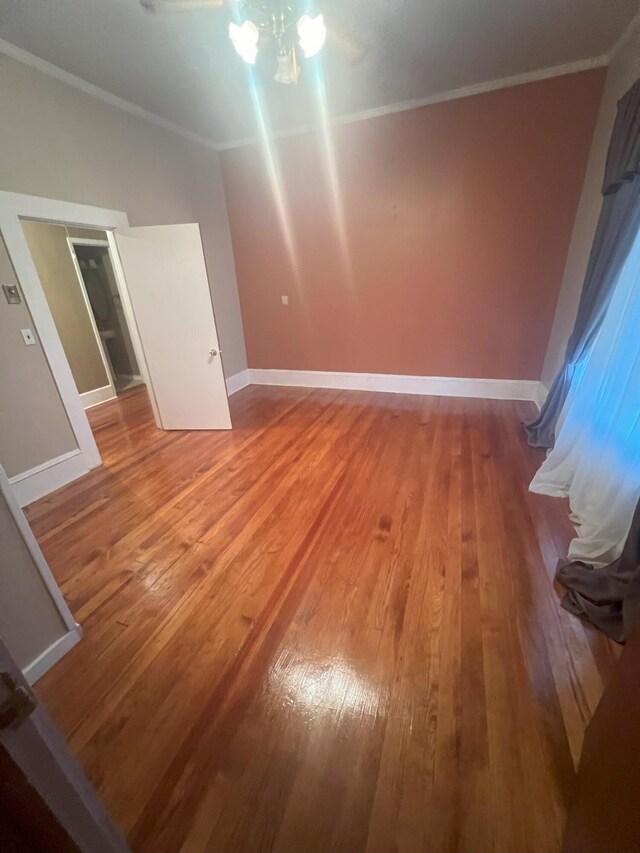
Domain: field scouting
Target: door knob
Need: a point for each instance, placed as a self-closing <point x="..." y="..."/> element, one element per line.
<point x="213" y="352"/>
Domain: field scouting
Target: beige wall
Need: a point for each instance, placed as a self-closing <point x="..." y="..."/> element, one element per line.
<point x="622" y="73"/>
<point x="33" y="426"/>
<point x="52" y="258"/>
<point x="30" y="622"/>
<point x="58" y="142"/>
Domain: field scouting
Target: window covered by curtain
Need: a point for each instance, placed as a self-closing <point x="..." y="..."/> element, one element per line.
<point x="618" y="225"/>
<point x="596" y="458"/>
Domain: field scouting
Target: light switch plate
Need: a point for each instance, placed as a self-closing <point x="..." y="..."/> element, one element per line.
<point x="285" y="300"/>
<point x="28" y="336"/>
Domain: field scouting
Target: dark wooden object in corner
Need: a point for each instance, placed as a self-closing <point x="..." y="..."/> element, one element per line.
<point x="604" y="816"/>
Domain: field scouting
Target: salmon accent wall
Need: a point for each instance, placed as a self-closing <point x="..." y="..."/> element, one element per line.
<point x="456" y="223"/>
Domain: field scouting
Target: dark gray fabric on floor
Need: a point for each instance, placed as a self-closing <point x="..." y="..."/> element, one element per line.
<point x="608" y="597"/>
<point x="615" y="234"/>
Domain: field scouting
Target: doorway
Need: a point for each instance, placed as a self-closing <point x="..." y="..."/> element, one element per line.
<point x="101" y="288"/>
<point x="164" y="290"/>
<point x="77" y="274"/>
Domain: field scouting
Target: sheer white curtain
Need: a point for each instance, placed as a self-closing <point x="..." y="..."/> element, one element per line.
<point x="596" y="458"/>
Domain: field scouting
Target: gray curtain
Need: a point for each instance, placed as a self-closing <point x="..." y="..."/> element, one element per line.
<point x="617" y="228"/>
<point x="608" y="597"/>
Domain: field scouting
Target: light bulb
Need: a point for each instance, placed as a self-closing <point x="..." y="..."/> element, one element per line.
<point x="245" y="40"/>
<point x="312" y="32"/>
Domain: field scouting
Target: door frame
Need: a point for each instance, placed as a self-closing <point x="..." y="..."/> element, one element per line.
<point x="17" y="206"/>
<point x="110" y="388"/>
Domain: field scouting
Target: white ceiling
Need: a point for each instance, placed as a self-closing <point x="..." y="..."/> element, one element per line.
<point x="184" y="69"/>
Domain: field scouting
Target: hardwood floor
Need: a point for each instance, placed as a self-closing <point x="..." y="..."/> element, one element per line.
<point x="332" y="629"/>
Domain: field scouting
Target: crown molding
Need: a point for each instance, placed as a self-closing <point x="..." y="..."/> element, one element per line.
<point x="89" y="89"/>
<point x="626" y="35"/>
<point x="450" y="95"/>
<point x="54" y="71"/>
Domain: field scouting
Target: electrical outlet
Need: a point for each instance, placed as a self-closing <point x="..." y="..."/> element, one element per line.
<point x="28" y="337"/>
<point x="284" y="300"/>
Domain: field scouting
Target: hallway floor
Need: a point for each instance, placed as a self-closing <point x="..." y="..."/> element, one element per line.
<point x="331" y="629"/>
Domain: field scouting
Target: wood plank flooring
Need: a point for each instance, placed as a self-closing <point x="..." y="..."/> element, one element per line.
<point x="331" y="629"/>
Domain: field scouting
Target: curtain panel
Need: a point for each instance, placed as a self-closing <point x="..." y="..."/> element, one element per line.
<point x="596" y="459"/>
<point x="615" y="233"/>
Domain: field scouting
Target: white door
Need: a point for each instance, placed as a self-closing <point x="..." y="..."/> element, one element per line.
<point x="36" y="746"/>
<point x="166" y="277"/>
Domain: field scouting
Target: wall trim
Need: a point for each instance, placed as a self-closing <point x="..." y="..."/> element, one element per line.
<point x="237" y="382"/>
<point x="63" y="76"/>
<point x="49" y="657"/>
<point x="437" y="386"/>
<point x="441" y="97"/>
<point x="49" y="476"/>
<point x="97" y="396"/>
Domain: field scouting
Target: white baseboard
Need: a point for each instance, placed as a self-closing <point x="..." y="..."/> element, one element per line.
<point x="37" y="668"/>
<point x="237" y="382"/>
<point x="437" y="386"/>
<point x="47" y="477"/>
<point x="97" y="396"/>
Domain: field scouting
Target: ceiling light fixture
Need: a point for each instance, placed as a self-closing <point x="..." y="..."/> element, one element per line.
<point x="283" y="27"/>
<point x="281" y="21"/>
